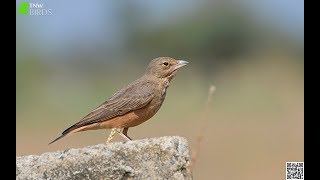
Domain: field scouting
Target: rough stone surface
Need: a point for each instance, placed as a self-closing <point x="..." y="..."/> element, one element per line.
<point x="157" y="158"/>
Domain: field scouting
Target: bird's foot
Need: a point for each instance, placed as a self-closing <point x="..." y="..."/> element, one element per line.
<point x="123" y="133"/>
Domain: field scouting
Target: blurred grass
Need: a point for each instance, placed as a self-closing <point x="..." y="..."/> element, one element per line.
<point x="255" y="121"/>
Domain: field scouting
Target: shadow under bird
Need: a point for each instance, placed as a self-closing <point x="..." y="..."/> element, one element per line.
<point x="133" y="104"/>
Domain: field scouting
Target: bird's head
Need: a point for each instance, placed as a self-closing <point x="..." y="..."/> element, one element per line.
<point x="164" y="67"/>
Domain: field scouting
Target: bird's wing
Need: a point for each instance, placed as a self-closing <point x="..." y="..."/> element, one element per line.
<point x="133" y="97"/>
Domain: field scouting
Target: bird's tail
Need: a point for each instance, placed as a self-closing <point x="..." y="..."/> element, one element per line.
<point x="62" y="135"/>
<point x="73" y="129"/>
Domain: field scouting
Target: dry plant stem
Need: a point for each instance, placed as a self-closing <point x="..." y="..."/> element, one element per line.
<point x="121" y="131"/>
<point x="200" y="137"/>
<point x="111" y="136"/>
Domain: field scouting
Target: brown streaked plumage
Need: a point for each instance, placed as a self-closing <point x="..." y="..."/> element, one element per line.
<point x="133" y="104"/>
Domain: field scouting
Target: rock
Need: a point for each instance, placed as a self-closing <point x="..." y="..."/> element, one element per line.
<point x="157" y="158"/>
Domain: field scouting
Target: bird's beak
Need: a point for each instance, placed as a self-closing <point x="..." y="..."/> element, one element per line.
<point x="181" y="63"/>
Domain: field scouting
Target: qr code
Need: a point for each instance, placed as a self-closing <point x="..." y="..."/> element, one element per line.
<point x="295" y="170"/>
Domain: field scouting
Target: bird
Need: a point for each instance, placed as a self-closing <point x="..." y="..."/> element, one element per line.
<point x="133" y="104"/>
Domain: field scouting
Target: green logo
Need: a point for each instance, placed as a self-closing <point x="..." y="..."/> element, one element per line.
<point x="24" y="8"/>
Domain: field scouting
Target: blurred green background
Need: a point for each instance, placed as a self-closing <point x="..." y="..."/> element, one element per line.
<point x="251" y="51"/>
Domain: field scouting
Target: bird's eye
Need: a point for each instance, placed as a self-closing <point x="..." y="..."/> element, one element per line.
<point x="166" y="63"/>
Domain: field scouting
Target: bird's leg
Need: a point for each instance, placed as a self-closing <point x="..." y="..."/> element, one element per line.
<point x="111" y="136"/>
<point x="124" y="134"/>
<point x="125" y="131"/>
